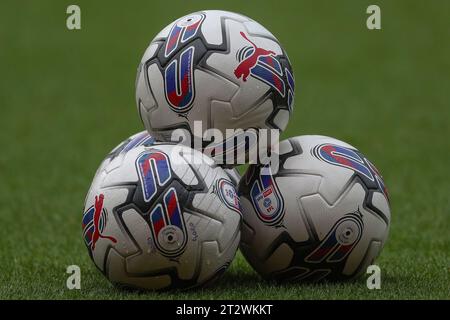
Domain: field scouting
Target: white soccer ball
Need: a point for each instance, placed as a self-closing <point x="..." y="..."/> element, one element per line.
<point x="217" y="67"/>
<point x="323" y="215"/>
<point x="160" y="216"/>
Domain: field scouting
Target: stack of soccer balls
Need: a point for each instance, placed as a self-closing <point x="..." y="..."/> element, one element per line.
<point x="162" y="215"/>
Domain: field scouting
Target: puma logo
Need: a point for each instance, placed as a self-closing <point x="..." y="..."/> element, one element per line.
<point x="244" y="67"/>
<point x="98" y="206"/>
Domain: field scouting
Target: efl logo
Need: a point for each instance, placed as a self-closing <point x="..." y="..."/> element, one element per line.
<point x="266" y="198"/>
<point x="228" y="195"/>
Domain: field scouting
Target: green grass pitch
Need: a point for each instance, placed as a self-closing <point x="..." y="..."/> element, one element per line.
<point x="67" y="98"/>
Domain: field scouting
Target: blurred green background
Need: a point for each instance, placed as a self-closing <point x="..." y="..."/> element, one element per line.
<point x="67" y="98"/>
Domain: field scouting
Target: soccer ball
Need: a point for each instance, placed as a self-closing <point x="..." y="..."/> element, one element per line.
<point x="160" y="216"/>
<point x="323" y="215"/>
<point x="219" y="68"/>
